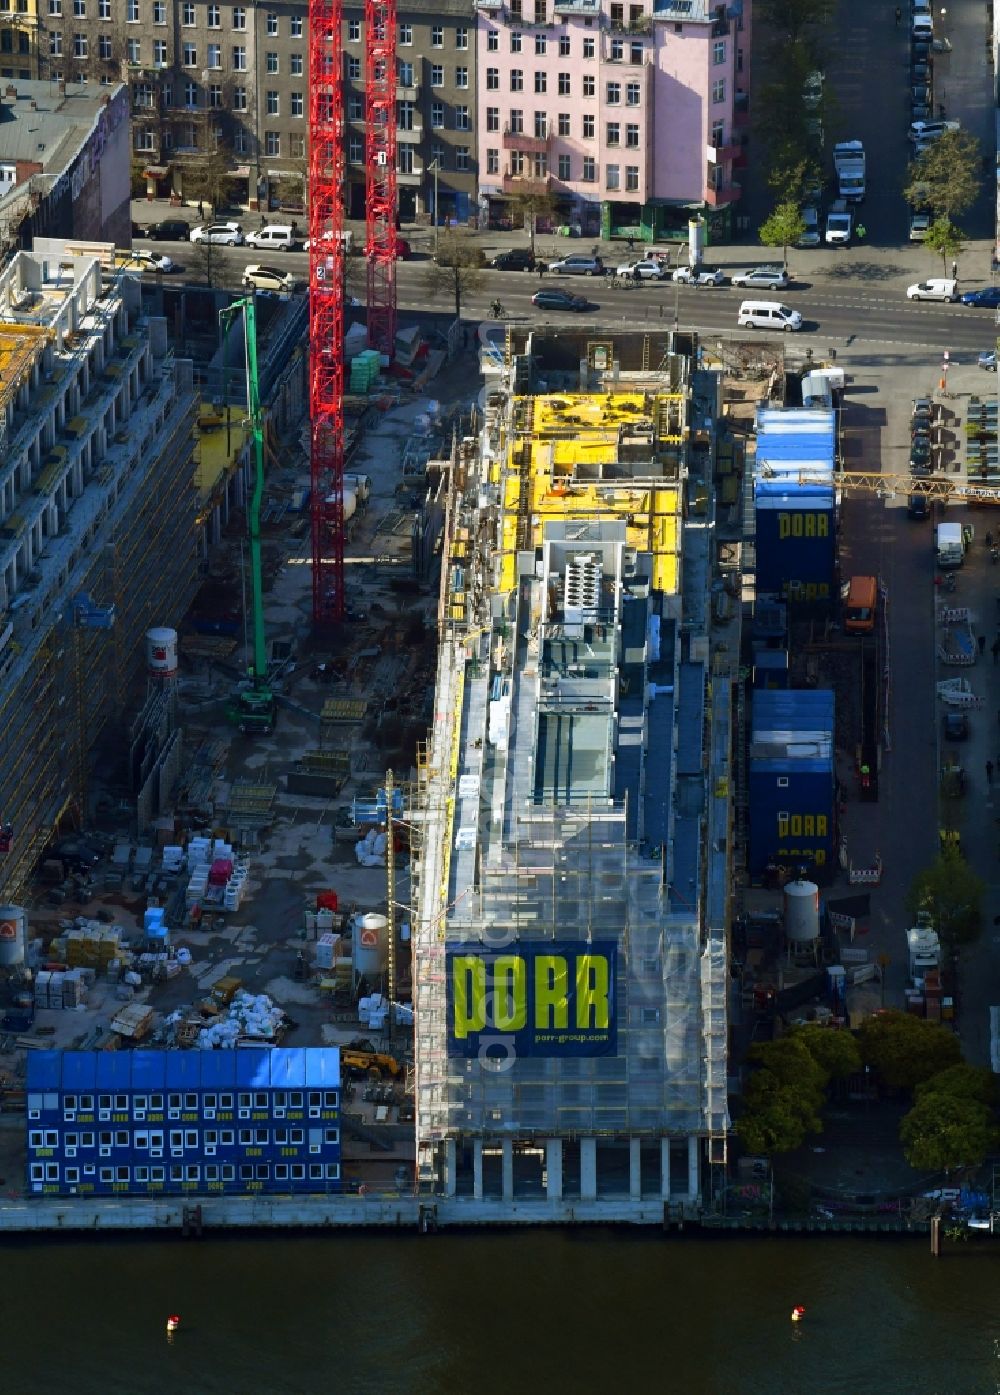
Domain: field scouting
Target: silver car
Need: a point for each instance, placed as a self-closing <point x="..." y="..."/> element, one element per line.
<point x="699" y="276"/>
<point x="577" y="265"/>
<point x="225" y="234"/>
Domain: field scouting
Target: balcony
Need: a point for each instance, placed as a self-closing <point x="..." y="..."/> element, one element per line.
<point x="576" y="7"/>
<point x="726" y="154"/>
<point x="525" y="184"/>
<point x="489" y="4"/>
<point x="725" y="194"/>
<point x="408" y="93"/>
<point x="410" y="179"/>
<point x="410" y="135"/>
<point x="527" y="143"/>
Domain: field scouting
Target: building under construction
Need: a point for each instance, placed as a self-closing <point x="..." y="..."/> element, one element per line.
<point x="97" y="537"/>
<point x="572" y="872"/>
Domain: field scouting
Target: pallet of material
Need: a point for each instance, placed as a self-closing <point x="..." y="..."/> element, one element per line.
<point x="133" y="1021"/>
<point x="326" y="762"/>
<point x="209" y="646"/>
<point x="344" y="710"/>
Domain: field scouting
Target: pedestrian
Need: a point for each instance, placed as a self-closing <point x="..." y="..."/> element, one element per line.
<point x="201" y="212"/>
<point x="636" y="275"/>
<point x="631" y="245"/>
<point x="989" y="772"/>
<point x="954" y="271"/>
<point x="899" y="15"/>
<point x="995" y="649"/>
<point x="982" y="644"/>
<point x="862" y="232"/>
<point x="541" y="270"/>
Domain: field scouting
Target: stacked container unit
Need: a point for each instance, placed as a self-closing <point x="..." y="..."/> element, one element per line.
<point x="142" y="1123"/>
<point x="795" y="506"/>
<point x="792" y="781"/>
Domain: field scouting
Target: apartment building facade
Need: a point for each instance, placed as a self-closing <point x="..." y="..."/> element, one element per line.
<point x="624" y="114"/>
<point x="19" y="39"/>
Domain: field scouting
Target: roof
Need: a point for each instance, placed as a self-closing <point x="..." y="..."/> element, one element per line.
<point x="791" y="443"/>
<point x="796" y="710"/>
<point x="45" y="125"/>
<point x="279" y="1067"/>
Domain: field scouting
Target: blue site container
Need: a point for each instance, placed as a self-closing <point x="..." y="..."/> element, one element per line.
<point x="792" y="783"/>
<point x="770" y="667"/>
<point x="795" y="505"/>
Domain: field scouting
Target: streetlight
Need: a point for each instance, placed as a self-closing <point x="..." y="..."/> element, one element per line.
<point x="435" y="165"/>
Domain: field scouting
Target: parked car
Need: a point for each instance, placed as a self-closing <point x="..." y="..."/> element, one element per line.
<point x="931" y="130"/>
<point x="170" y="230"/>
<point x="839" y="225"/>
<point x="514" y="259"/>
<point x="276" y="237"/>
<point x="919" y="226"/>
<point x="921" y="414"/>
<point x="937" y="288"/>
<point x="920" y="454"/>
<point x="578" y="264"/>
<point x="920" y="48"/>
<point x="555" y="299"/>
<point x="811" y="237"/>
<point x="138" y="259"/>
<point x="920" y="108"/>
<point x="955" y="726"/>
<point x="268" y="278"/>
<point x="986" y="298"/>
<point x="648" y="271"/>
<point x="918" y="506"/>
<point x="775" y="277"/>
<point x="699" y="276"/>
<point x="920" y="70"/>
<point x="225" y="234"/>
<point x="987" y="360"/>
<point x="922" y="26"/>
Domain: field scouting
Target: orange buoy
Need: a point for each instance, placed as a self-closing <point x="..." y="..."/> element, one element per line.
<point x="173" y="1322"/>
<point x="798" y="1313"/>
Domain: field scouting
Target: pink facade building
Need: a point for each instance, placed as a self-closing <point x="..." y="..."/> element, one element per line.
<point x="629" y="115"/>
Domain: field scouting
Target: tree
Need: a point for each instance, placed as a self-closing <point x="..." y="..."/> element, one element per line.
<point x="455" y="269"/>
<point x="942" y="1133"/>
<point x="905" y="1050"/>
<point x="952" y="895"/>
<point x="947" y="177"/>
<point x="526" y="207"/>
<point x="783" y="1097"/>
<point x="783" y="228"/>
<point x="963" y="1082"/>
<point x="774" y="1127"/>
<point x="790" y="19"/>
<point x="836" y="1052"/>
<point x="943" y="237"/>
<point x="211" y="179"/>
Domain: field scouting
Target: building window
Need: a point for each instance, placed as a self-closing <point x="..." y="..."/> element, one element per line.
<point x="240" y="59"/>
<point x="239" y="17"/>
<point x="272" y="143"/>
<point x="79" y="45"/>
<point x="437" y="36"/>
<point x="356" y="150"/>
<point x="516" y="80"/>
<point x="563" y="45"/>
<point x="215" y="94"/>
<point x="132" y="11"/>
<point x="632" y="178"/>
<point x="159" y="12"/>
<point x="437" y="75"/>
<point x="462" y="121"/>
<point x="297" y="146"/>
<point x="461" y="37"/>
<point x="406" y="35"/>
<point x="613" y="94"/>
<point x="295" y="27"/>
<point x="213" y="17"/>
<point x="79" y="8"/>
<point x="55" y="7"/>
<point x="492" y="161"/>
<point x="103" y="9"/>
<point x="239" y="99"/>
<point x="404" y="159"/>
<point x="404" y="77"/>
<point x="437" y="115"/>
<point x="612" y="175"/>
<point x="633" y="94"/>
<point x="461" y="77"/>
<point x="588" y="127"/>
<point x="516" y="120"/>
<point x="215" y="55"/>
<point x="541" y="80"/>
<point x="55" y="43"/>
<point x="144" y="142"/>
<point x="564" y="84"/>
<point x="354" y="31"/>
<point x="189" y="56"/>
<point x="719" y="51"/>
<point x="589" y="48"/>
<point x="492" y="79"/>
<point x="637" y="53"/>
<point x="541" y="125"/>
<point x="354" y="71"/>
<point x="492" y="41"/>
<point x="632" y="136"/>
<point x="563" y="120"/>
<point x="272" y="25"/>
<point x="295" y="65"/>
<point x="617" y="50"/>
<point x="271" y="103"/>
<point x="515" y="42"/>
<point x="719" y="90"/>
<point x="270" y="62"/>
<point x="187" y="15"/>
<point x="298" y="105"/>
<point x="492" y="118"/>
<point x="589" y="85"/>
<point x="461" y="157"/>
<point x="541" y="44"/>
<point x="159" y="53"/>
<point x="104" y="49"/>
<point x="589" y="174"/>
<point x="614" y="132"/>
<point x="563" y="167"/>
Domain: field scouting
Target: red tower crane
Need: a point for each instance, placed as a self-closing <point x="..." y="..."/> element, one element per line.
<point x="326" y="308"/>
<point x="380" y="153"/>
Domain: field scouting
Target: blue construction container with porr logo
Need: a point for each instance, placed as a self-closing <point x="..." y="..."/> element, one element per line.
<point x="792" y="784"/>
<point x="795" y="506"/>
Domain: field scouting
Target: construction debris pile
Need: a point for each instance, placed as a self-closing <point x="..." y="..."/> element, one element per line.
<point x="218" y="878"/>
<point x="247" y="1017"/>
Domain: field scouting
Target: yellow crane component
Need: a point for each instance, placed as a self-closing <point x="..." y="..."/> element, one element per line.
<point x="888" y="485"/>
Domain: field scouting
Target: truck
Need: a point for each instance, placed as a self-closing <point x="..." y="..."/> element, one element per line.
<point x="839" y="224"/>
<point x="950" y="545"/>
<point x="860" y="596"/>
<point x="849" y="163"/>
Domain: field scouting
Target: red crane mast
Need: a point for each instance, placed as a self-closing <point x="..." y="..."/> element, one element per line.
<point x="380" y="159"/>
<point x="326" y="308"/>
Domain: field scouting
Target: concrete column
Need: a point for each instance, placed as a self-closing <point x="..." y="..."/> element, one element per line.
<point x="665" y="1168"/>
<point x="508" y="1169"/>
<point x="450" y="1168"/>
<point x="477" y="1169"/>
<point x="635" y="1168"/>
<point x="588" y="1169"/>
<point x="694" y="1169"/>
<point x="554" y="1168"/>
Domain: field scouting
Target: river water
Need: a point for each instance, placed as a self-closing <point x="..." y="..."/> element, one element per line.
<point x="500" y="1314"/>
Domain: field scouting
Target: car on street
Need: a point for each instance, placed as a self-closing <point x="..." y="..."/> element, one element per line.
<point x="922" y="26"/>
<point x="920" y="71"/>
<point x="931" y="130"/>
<point x="918" y="506"/>
<point x="267" y="278"/>
<point x="919" y="226"/>
<point x="920" y="107"/>
<point x="987" y="360"/>
<point x="775" y="277"/>
<point x="921" y="414"/>
<point x="920" y="454"/>
<point x="986" y="298"/>
<point x="514" y="259"/>
<point x="138" y="259"/>
<point x="955" y="726"/>
<point x="839" y="225"/>
<point x="222" y="234"/>
<point x="811" y="236"/>
<point x="921" y="98"/>
<point x="169" y="230"/>
<point x="577" y="264"/>
<point x="648" y="271"/>
<point x="937" y="288"/>
<point x="556" y="299"/>
<point x="920" y="49"/>
<point x="699" y="276"/>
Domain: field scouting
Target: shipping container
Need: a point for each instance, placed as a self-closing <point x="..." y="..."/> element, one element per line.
<point x="792" y="783"/>
<point x="770" y="667"/>
<point x="795" y="505"/>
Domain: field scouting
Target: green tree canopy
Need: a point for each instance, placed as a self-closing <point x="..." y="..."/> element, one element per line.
<point x="784" y="227"/>
<point x="775" y="1126"/>
<point x="942" y="1132"/>
<point x="791" y="19"/>
<point x="945" y="239"/>
<point x="905" y="1050"/>
<point x="783" y="1097"/>
<point x="952" y="894"/>
<point x="947" y="177"/>
<point x="455" y="269"/>
<point x="836" y="1052"/>
<point x="962" y="1082"/>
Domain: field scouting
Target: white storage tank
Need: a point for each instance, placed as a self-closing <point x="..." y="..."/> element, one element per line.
<point x="801" y="912"/>
<point x="350" y="502"/>
<point x="161" y="654"/>
<point x="371" y="944"/>
<point x="13" y="936"/>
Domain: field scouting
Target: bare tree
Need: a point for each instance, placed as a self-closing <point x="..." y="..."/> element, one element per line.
<point x="455" y="269"/>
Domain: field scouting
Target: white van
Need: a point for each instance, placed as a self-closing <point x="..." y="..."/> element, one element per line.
<point x="279" y="237"/>
<point x="950" y="545"/>
<point x="767" y="314"/>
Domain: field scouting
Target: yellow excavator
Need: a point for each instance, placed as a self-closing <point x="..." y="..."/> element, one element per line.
<point x="362" y="1057"/>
